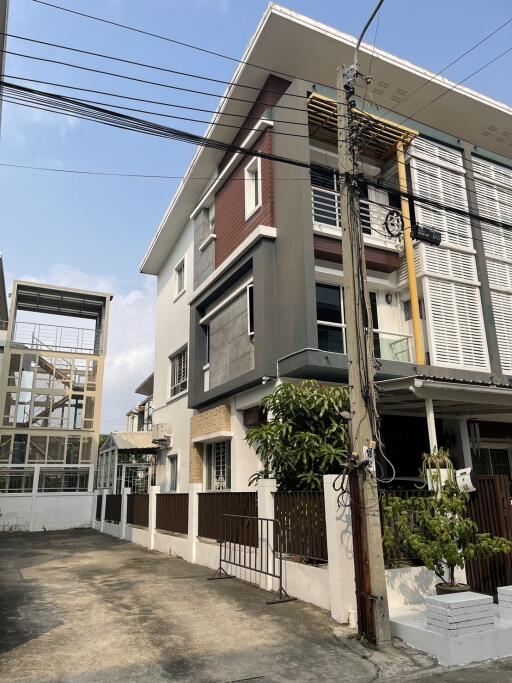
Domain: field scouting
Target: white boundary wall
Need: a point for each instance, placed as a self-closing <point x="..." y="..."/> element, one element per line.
<point x="53" y="511"/>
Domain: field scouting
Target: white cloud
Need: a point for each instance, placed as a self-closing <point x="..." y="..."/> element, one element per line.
<point x="19" y="122"/>
<point x="130" y="349"/>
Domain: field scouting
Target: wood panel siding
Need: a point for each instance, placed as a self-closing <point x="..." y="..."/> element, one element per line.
<point x="329" y="249"/>
<point x="231" y="228"/>
<point x="268" y="96"/>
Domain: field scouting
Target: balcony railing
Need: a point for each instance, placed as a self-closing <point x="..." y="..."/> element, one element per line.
<point x="326" y="212"/>
<point x="387" y="345"/>
<point x="44" y="337"/>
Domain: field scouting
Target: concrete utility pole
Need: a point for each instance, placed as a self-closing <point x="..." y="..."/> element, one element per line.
<point x="359" y="334"/>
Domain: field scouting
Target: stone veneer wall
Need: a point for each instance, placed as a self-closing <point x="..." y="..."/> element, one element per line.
<point x="216" y="419"/>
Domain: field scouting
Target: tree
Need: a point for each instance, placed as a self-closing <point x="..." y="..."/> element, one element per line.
<point x="305" y="435"/>
<point x="437" y="530"/>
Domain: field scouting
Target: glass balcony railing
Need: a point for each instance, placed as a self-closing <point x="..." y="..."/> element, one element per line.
<point x="387" y="345"/>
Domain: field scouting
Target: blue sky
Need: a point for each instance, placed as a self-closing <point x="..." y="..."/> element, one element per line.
<point x="93" y="231"/>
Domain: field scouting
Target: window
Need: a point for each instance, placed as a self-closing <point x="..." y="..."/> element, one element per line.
<point x="491" y="461"/>
<point x="252" y="177"/>
<point x="408" y="310"/>
<point x="330" y="317"/>
<point x="179" y="371"/>
<point x="173" y="473"/>
<point x="5" y="448"/>
<point x="19" y="450"/>
<point x="250" y="310"/>
<point x="218" y="465"/>
<point x="37" y="449"/>
<point x="180" y="277"/>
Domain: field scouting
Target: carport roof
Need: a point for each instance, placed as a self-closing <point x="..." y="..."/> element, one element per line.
<point x="129" y="441"/>
<point x="452" y="398"/>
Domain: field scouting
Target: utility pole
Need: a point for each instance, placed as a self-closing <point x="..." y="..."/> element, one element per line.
<point x="371" y="583"/>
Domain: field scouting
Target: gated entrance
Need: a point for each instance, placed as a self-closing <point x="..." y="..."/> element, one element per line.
<point x="254" y="544"/>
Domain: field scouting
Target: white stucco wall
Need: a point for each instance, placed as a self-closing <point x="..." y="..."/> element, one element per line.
<point x="171" y="333"/>
<point x="15" y="512"/>
<point x="50" y="511"/>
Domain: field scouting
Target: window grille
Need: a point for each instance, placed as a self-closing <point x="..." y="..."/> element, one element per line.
<point x="179" y="371"/>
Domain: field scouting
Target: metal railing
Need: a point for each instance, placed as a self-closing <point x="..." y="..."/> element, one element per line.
<point x="60" y="480"/>
<point x="301" y="517"/>
<point x="326" y="212"/>
<point x="137" y="509"/>
<point x="253" y="544"/>
<point x="44" y="337"/>
<point x="172" y="512"/>
<point x="16" y="479"/>
<point x="212" y="507"/>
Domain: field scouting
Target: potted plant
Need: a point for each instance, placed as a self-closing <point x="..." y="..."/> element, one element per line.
<point x="437" y="530"/>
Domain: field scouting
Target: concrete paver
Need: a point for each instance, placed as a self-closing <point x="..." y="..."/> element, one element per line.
<point x="82" y="606"/>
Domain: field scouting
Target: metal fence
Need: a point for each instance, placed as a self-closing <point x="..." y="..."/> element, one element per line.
<point x="113" y="508"/>
<point x="137" y="509"/>
<point x="63" y="480"/>
<point x="253" y="544"/>
<point x="301" y="516"/>
<point x="212" y="506"/>
<point x="172" y="512"/>
<point x="490" y="508"/>
<point x="99" y="504"/>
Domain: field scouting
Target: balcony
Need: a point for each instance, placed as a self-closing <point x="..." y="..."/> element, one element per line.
<point x="326" y="214"/>
<point x="387" y="345"/>
<point x="44" y="337"/>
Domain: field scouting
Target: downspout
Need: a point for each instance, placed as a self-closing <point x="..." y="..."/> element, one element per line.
<point x="409" y="256"/>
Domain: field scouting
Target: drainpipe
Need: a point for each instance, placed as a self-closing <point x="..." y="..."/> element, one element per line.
<point x="409" y="256"/>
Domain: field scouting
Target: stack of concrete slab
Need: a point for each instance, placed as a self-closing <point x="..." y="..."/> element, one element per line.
<point x="460" y="614"/>
<point x="505" y="602"/>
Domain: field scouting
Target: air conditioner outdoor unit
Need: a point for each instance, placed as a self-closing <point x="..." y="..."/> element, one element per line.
<point x="159" y="435"/>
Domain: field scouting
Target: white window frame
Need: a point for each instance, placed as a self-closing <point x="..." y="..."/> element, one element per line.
<point x="172" y="385"/>
<point x="210" y="474"/>
<point x="180" y="266"/>
<point x="172" y="457"/>
<point x="325" y="323"/>
<point x="252" y="187"/>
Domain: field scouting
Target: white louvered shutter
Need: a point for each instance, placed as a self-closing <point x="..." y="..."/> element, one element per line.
<point x="494" y="196"/>
<point x="450" y="282"/>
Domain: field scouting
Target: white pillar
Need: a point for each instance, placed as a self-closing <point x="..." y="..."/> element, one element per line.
<point x="431" y="424"/>
<point x="90" y="485"/>
<point x="193" y="519"/>
<point x="124" y="505"/>
<point x="103" y="504"/>
<point x="342" y="586"/>
<point x="465" y="443"/>
<point x="266" y="487"/>
<point x="33" y="499"/>
<point x="153" y="492"/>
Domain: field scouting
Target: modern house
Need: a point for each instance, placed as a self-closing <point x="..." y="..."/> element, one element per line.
<point x="50" y="392"/>
<point x="249" y="272"/>
<point x="140" y="417"/>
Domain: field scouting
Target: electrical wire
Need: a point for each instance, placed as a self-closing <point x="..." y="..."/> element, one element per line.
<point x="145" y="65"/>
<point x="177" y="42"/>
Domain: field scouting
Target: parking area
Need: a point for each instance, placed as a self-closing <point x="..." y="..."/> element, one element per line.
<point x="81" y="606"/>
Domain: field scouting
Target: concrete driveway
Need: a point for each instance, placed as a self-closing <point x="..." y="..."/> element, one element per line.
<point x="81" y="606"/>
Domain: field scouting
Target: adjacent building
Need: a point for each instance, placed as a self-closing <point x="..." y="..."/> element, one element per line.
<point x="249" y="272"/>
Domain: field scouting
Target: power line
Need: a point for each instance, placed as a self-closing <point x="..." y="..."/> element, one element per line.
<point x="63" y="105"/>
<point x="148" y="66"/>
<point x="181" y="43"/>
<point x="457" y="59"/>
<point x="145" y="100"/>
<point x="143" y="80"/>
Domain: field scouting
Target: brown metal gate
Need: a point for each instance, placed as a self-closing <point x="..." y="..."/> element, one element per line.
<point x="490" y="508"/>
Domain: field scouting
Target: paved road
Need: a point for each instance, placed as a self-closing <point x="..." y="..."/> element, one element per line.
<point x="81" y="606"/>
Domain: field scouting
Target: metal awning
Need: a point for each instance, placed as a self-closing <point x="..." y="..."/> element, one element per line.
<point x="452" y="399"/>
<point x="378" y="136"/>
<point x="130" y="441"/>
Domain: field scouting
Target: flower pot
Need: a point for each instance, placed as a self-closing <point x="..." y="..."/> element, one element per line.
<point x="446" y="589"/>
